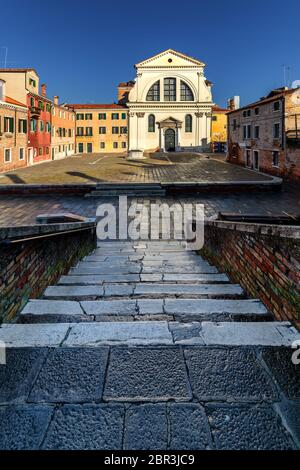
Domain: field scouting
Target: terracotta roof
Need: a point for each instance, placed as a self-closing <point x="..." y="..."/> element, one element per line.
<point x="218" y="109"/>
<point x="9" y="100"/>
<point x="273" y="96"/>
<point x="97" y="106"/>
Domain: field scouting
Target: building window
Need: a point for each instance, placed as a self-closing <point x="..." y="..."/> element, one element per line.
<point x="102" y="130"/>
<point x="48" y="126"/>
<point x="79" y="131"/>
<point x="88" y="117"/>
<point x="42" y="126"/>
<point x="276" y="130"/>
<point x="248" y="158"/>
<point x="40" y="151"/>
<point x="79" y="117"/>
<point x="244" y="132"/>
<point x="255" y="160"/>
<point x="115" y="145"/>
<point x="244" y="113"/>
<point x="249" y="113"/>
<point x="151" y="123"/>
<point x="276" y="106"/>
<point x="102" y="145"/>
<point x="234" y="124"/>
<point x="256" y="132"/>
<point x="275" y="158"/>
<point x="115" y="130"/>
<point x="48" y="108"/>
<point x="32" y="102"/>
<point x="21" y="153"/>
<point x="47" y="150"/>
<point x="249" y="131"/>
<point x="123" y="130"/>
<point x="41" y="105"/>
<point x="214" y="118"/>
<point x="154" y="92"/>
<point x="33" y="125"/>
<point x="88" y="131"/>
<point x="115" y="116"/>
<point x="7" y="155"/>
<point x="89" y="148"/>
<point x="186" y="93"/>
<point x="9" y="124"/>
<point x="32" y="82"/>
<point x="188" y="123"/>
<point x="256" y="111"/>
<point x="170" y="89"/>
<point x="124" y="116"/>
<point x="80" y="148"/>
<point x="101" y="116"/>
<point x="22" y="126"/>
<point x="124" y="145"/>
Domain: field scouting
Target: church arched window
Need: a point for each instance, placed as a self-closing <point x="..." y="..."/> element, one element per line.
<point x="154" y="92"/>
<point x="186" y="93"/>
<point x="151" y="123"/>
<point x="188" y="123"/>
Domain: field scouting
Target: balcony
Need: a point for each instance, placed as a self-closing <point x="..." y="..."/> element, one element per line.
<point x="35" y="111"/>
<point x="293" y="137"/>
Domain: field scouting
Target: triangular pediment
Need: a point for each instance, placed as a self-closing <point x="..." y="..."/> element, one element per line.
<point x="170" y="58"/>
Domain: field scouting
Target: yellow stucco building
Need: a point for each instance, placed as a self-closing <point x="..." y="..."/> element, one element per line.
<point x="101" y="128"/>
<point x="219" y="129"/>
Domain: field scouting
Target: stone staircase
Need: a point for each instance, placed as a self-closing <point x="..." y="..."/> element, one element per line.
<point x="128" y="189"/>
<point x="153" y="281"/>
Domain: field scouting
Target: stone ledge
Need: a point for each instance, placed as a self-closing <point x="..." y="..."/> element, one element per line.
<point x="269" y="230"/>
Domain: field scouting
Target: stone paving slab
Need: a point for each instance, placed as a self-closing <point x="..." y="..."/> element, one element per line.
<point x="280" y="364"/>
<point x="17" y="375"/>
<point x="97" y="279"/>
<point x="232" y="374"/>
<point x="200" y="278"/>
<point x="147" y="374"/>
<point x="112" y="333"/>
<point x="248" y="428"/>
<point x="86" y="427"/>
<point x="150" y="306"/>
<point x="71" y="375"/>
<point x="115" y="290"/>
<point x="192" y="289"/>
<point x="180" y="269"/>
<point x="109" y="307"/>
<point x="33" y="335"/>
<point x="188" y="307"/>
<point x="23" y="426"/>
<point x="73" y="292"/>
<point x="52" y="307"/>
<point x="249" y="333"/>
<point x="88" y="268"/>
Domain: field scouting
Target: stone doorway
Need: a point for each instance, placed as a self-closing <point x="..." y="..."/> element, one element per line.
<point x="170" y="140"/>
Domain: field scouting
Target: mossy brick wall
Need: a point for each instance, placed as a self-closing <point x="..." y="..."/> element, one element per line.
<point x="266" y="266"/>
<point x="26" y="269"/>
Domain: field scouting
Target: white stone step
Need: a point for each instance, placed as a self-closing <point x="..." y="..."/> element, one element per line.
<point x="274" y="334"/>
<point x="86" y="280"/>
<point x="89" y="268"/>
<point x="73" y="292"/>
<point x="188" y="307"/>
<point x="213" y="290"/>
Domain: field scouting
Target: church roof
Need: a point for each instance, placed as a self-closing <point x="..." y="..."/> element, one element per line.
<point x="172" y="52"/>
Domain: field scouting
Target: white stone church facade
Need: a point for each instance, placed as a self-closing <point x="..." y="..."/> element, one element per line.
<point x="170" y="105"/>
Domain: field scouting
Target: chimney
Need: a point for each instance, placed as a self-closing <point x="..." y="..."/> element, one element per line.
<point x="43" y="89"/>
<point x="55" y="100"/>
<point x="233" y="103"/>
<point x="123" y="91"/>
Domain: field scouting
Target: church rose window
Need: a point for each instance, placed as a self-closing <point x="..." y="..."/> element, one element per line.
<point x="170" y="89"/>
<point x="154" y="92"/>
<point x="186" y="93"/>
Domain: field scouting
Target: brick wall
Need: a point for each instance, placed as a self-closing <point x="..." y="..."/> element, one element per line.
<point x="264" y="259"/>
<point x="26" y="269"/>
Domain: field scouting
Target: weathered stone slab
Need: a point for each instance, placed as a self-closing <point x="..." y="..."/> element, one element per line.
<point x="280" y="363"/>
<point x="290" y="414"/>
<point x="206" y="269"/>
<point x="232" y="374"/>
<point x="196" y="278"/>
<point x="35" y="335"/>
<point x="71" y="375"/>
<point x="114" y="290"/>
<point x="243" y="334"/>
<point x="151" y="277"/>
<point x="146" y="374"/>
<point x="189" y="289"/>
<point x="89" y="268"/>
<point x="186" y="333"/>
<point x="189" y="428"/>
<point x="109" y="307"/>
<point x="86" y="427"/>
<point x="23" y="426"/>
<point x="84" y="334"/>
<point x="248" y="428"/>
<point x="54" y="307"/>
<point x="97" y="279"/>
<point x="73" y="292"/>
<point x="146" y="427"/>
<point x="18" y="374"/>
<point x="150" y="306"/>
<point x="211" y="306"/>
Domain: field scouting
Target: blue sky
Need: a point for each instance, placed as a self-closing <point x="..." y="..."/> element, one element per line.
<point x="82" y="49"/>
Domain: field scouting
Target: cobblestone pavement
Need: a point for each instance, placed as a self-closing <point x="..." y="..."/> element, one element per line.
<point x="18" y="210"/>
<point x="147" y="346"/>
<point x="183" y="167"/>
